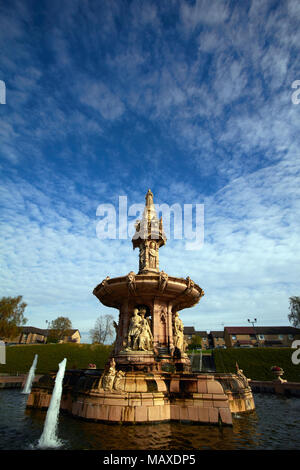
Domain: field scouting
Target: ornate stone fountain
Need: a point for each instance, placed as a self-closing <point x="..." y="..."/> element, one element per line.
<point x="148" y="377"/>
<point x="149" y="334"/>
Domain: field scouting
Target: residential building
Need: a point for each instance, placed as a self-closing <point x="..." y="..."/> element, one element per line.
<point x="73" y="337"/>
<point x="189" y="332"/>
<point x="204" y="339"/>
<point x="217" y="339"/>
<point x="32" y="335"/>
<point x="263" y="336"/>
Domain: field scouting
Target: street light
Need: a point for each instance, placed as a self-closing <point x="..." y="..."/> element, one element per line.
<point x="253" y="323"/>
<point x="47" y="323"/>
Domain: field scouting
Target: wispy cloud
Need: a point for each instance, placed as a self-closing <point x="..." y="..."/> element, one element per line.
<point x="190" y="98"/>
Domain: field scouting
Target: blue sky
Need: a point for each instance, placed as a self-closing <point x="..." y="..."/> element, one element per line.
<point x="189" y="98"/>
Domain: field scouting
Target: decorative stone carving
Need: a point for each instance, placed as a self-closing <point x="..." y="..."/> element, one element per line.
<point x="190" y="285"/>
<point x="139" y="336"/>
<point x="163" y="281"/>
<point x="142" y="257"/>
<point x="149" y="237"/>
<point x="153" y="255"/>
<point x="104" y="286"/>
<point x="145" y="337"/>
<point x="119" y="383"/>
<point x="109" y="377"/>
<point x="163" y="317"/>
<point x="178" y="333"/>
<point x="241" y="375"/>
<point x="133" y="331"/>
<point x="131" y="282"/>
<point x="149" y="198"/>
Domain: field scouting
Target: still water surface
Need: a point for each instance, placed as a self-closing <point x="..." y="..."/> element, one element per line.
<point x="274" y="425"/>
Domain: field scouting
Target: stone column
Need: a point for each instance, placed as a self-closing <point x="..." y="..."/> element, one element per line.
<point x="118" y="341"/>
<point x="123" y="324"/>
<point x="170" y="327"/>
<point x="155" y="323"/>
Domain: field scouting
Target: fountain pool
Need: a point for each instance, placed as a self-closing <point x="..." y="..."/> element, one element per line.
<point x="274" y="425"/>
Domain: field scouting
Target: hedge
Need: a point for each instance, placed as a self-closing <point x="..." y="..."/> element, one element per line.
<point x="19" y="358"/>
<point x="257" y="362"/>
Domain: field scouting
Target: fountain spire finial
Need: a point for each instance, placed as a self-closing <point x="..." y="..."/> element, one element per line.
<point x="149" y="215"/>
<point x="149" y="197"/>
<point x="149" y="237"/>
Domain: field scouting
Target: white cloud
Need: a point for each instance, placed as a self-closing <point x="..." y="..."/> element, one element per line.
<point x="203" y="11"/>
<point x="293" y="8"/>
<point x="220" y="94"/>
<point x="99" y="96"/>
<point x="248" y="264"/>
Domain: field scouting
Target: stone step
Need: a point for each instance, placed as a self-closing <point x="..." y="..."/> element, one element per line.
<point x="204" y="364"/>
<point x="163" y="351"/>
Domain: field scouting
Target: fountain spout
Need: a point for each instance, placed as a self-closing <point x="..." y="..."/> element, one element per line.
<point x="30" y="377"/>
<point x="49" y="437"/>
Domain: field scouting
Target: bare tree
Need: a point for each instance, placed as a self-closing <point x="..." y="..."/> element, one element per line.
<point x="294" y="316"/>
<point x="103" y="330"/>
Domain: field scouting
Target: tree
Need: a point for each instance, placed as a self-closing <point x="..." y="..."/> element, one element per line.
<point x="103" y="329"/>
<point x="59" y="328"/>
<point x="11" y="316"/>
<point x="294" y="315"/>
<point x="196" y="342"/>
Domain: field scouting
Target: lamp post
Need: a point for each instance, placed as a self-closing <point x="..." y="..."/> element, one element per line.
<point x="253" y="323"/>
<point x="47" y="328"/>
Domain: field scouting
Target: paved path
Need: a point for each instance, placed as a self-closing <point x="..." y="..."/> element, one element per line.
<point x="14" y="381"/>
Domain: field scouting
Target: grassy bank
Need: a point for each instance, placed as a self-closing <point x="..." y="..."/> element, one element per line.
<point x="257" y="363"/>
<point x="19" y="358"/>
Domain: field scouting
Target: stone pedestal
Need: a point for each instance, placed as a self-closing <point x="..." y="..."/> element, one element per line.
<point x="141" y="398"/>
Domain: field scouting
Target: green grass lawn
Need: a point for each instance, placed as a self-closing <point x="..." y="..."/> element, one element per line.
<point x="197" y="351"/>
<point x="19" y="358"/>
<point x="257" y="362"/>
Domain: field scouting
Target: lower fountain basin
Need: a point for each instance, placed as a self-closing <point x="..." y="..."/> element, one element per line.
<point x="141" y="397"/>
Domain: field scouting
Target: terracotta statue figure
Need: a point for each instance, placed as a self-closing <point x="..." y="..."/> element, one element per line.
<point x="131" y="282"/>
<point x="178" y="333"/>
<point x="119" y="382"/>
<point x="109" y="376"/>
<point x="241" y="375"/>
<point x="133" y="330"/>
<point x="145" y="336"/>
<point x="142" y="257"/>
<point x="163" y="281"/>
<point x="152" y="255"/>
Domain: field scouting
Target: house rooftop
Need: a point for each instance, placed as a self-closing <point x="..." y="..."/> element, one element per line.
<point x="189" y="330"/>
<point x="267" y="330"/>
<point x="217" y="334"/>
<point x="43" y="332"/>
